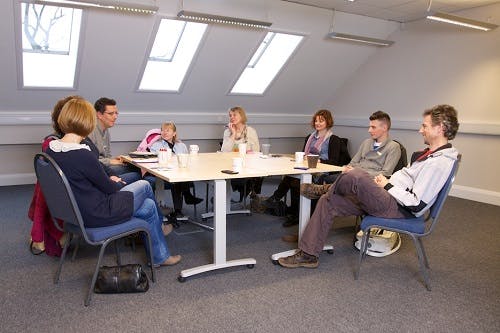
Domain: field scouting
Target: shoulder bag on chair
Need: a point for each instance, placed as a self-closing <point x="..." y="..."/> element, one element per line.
<point x="381" y="243"/>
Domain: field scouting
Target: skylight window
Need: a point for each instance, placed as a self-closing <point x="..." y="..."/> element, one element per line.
<point x="266" y="63"/>
<point x="50" y="38"/>
<point x="171" y="55"/>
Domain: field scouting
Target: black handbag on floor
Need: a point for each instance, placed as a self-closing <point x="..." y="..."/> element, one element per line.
<point x="121" y="279"/>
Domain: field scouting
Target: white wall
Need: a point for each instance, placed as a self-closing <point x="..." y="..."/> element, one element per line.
<point x="430" y="63"/>
<point x="114" y="49"/>
<point x="433" y="63"/>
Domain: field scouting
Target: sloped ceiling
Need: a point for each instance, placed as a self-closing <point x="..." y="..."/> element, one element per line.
<point x="114" y="51"/>
<point x="396" y="10"/>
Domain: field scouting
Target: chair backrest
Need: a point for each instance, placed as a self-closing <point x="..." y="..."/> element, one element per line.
<point x="57" y="192"/>
<point x="435" y="210"/>
<point x="403" y="160"/>
<point x="345" y="157"/>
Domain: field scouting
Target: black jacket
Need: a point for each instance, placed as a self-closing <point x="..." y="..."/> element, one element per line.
<point x="337" y="151"/>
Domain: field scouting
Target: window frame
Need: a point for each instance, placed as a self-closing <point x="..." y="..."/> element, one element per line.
<point x="19" y="49"/>
<point x="278" y="73"/>
<point x="147" y="54"/>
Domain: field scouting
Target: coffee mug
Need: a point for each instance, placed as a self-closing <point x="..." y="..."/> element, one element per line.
<point x="193" y="149"/>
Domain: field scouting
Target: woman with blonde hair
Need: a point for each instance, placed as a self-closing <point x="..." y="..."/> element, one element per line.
<point x="237" y="132"/>
<point x="169" y="140"/>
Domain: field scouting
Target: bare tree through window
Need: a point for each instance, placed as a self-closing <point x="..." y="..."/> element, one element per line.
<point x="46" y="28"/>
<point x="49" y="38"/>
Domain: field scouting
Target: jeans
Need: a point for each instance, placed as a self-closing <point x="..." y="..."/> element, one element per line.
<point x="128" y="173"/>
<point x="145" y="208"/>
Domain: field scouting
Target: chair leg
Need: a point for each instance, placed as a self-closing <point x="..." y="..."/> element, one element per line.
<point x="244" y="199"/>
<point x="61" y="260"/>
<point x="117" y="253"/>
<point x="150" y="244"/>
<point x="77" y="245"/>
<point x="357" y="227"/>
<point x="96" y="271"/>
<point x="362" y="252"/>
<point x="423" y="268"/>
<point x="426" y="261"/>
<point x="194" y="206"/>
<point x="206" y="197"/>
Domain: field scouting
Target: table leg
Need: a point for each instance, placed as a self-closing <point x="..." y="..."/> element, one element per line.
<point x="304" y="214"/>
<point x="228" y="205"/>
<point x="219" y="238"/>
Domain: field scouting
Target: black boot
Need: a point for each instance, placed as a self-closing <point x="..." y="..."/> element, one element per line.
<point x="190" y="199"/>
<point x="173" y="218"/>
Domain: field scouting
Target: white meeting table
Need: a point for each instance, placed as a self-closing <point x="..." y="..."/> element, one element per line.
<point x="207" y="167"/>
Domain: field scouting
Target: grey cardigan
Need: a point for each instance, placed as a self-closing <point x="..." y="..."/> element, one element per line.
<point x="383" y="160"/>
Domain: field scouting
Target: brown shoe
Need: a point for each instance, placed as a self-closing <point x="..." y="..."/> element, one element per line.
<point x="299" y="259"/>
<point x="290" y="238"/>
<point x="314" y="191"/>
<point x="172" y="260"/>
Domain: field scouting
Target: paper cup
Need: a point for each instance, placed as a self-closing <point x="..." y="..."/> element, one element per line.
<point x="237" y="164"/>
<point x="242" y="148"/>
<point x="312" y="161"/>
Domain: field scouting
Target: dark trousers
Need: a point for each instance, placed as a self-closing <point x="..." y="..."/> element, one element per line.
<point x="353" y="193"/>
<point x="293" y="185"/>
<point x="247" y="185"/>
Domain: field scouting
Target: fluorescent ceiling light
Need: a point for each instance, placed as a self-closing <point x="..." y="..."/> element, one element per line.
<point x="465" y="22"/>
<point x="361" y="39"/>
<point x="106" y="4"/>
<point x="209" y="18"/>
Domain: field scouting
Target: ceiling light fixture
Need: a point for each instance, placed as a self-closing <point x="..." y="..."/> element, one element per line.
<point x="106" y="4"/>
<point x="209" y="18"/>
<point x="462" y="21"/>
<point x="360" y="39"/>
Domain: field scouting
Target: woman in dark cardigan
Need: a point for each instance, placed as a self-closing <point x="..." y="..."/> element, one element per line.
<point x="331" y="150"/>
<point x="100" y="199"/>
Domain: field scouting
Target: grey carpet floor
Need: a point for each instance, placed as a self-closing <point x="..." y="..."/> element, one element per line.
<point x="464" y="256"/>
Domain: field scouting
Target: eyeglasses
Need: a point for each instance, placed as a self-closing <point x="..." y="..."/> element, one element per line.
<point x="113" y="113"/>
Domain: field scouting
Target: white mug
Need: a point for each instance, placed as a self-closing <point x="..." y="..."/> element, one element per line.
<point x="193" y="149"/>
<point x="299" y="157"/>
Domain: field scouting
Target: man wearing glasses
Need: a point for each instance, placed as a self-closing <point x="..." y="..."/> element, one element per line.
<point x="107" y="113"/>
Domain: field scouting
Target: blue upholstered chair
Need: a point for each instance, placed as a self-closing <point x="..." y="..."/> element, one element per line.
<point x="62" y="205"/>
<point x="416" y="228"/>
